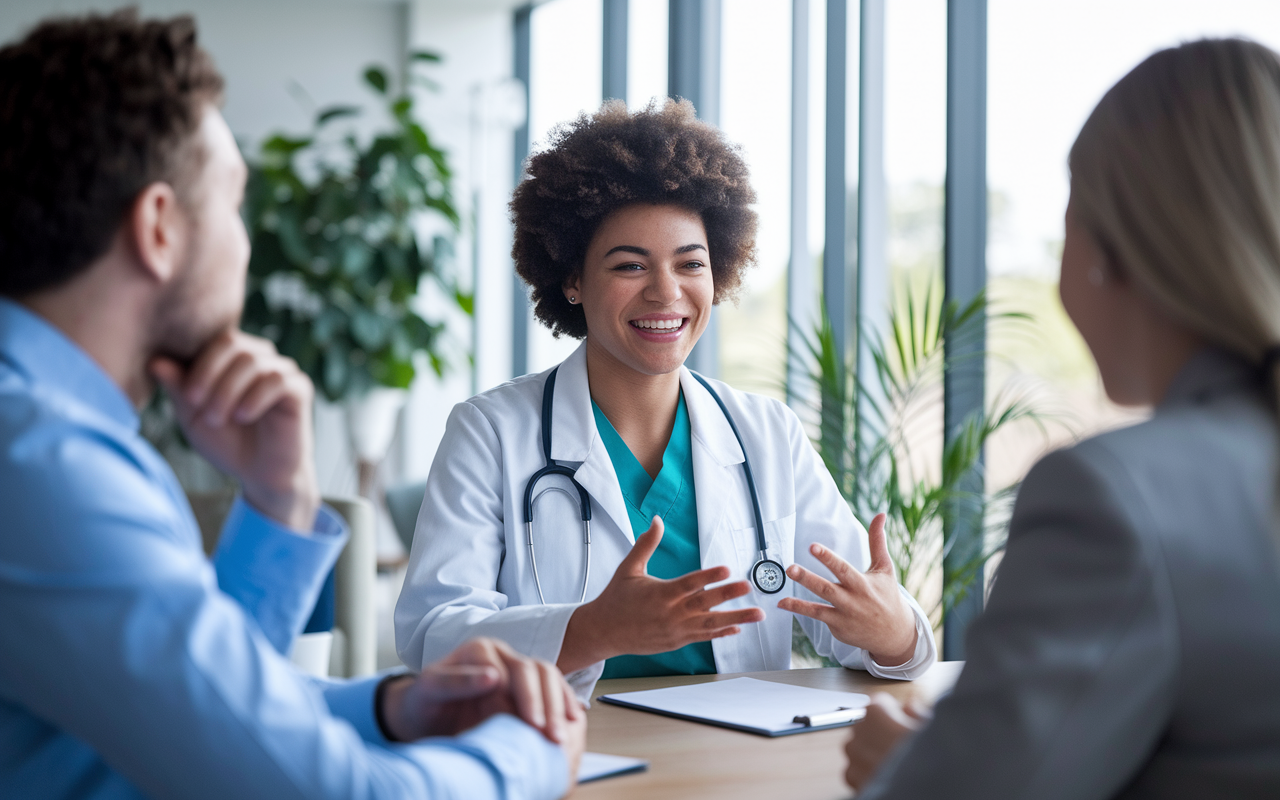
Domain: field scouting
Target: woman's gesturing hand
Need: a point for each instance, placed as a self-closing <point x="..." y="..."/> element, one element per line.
<point x="866" y="609"/>
<point x="637" y="614"/>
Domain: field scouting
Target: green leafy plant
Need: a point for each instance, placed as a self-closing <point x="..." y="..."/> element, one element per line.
<point x="337" y="258"/>
<point x="871" y="429"/>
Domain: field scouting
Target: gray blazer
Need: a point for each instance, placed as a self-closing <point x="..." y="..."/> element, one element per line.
<point x="1131" y="644"/>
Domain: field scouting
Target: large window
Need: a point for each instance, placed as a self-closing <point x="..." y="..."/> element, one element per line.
<point x="565" y="79"/>
<point x="754" y="103"/>
<point x="1049" y="64"/>
<point x="646" y="51"/>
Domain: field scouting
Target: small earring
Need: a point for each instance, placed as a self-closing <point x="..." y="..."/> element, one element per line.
<point x="573" y="300"/>
<point x="1096" y="276"/>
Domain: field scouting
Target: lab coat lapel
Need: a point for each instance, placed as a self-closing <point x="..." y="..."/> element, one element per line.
<point x="574" y="439"/>
<point x="720" y="485"/>
<point x="716" y="455"/>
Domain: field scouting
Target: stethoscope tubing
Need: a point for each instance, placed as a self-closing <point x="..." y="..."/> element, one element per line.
<point x="584" y="500"/>
<point x="552" y="468"/>
<point x="761" y="544"/>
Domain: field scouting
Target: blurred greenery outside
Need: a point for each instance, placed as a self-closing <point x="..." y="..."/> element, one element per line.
<point x="1046" y="356"/>
<point x="1042" y="359"/>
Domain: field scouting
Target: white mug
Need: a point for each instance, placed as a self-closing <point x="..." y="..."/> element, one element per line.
<point x="311" y="653"/>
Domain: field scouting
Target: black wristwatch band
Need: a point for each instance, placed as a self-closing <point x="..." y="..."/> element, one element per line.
<point x="378" y="695"/>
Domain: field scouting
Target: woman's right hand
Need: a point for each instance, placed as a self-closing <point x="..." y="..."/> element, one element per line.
<point x="637" y="614"/>
<point x="879" y="733"/>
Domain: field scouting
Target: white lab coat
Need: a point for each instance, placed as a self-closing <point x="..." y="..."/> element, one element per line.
<point x="469" y="572"/>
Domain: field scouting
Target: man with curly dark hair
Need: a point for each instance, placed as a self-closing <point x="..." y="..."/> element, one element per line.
<point x="649" y="492"/>
<point x="130" y="664"/>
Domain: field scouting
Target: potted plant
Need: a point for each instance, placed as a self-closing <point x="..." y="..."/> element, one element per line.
<point x="865" y="436"/>
<point x="340" y="251"/>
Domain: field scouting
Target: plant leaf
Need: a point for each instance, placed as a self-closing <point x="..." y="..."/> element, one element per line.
<point x="336" y="112"/>
<point x="376" y="77"/>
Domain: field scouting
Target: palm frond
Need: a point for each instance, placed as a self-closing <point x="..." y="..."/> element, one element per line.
<point x="869" y="424"/>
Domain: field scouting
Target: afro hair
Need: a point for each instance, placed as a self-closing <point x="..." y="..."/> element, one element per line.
<point x="600" y="163"/>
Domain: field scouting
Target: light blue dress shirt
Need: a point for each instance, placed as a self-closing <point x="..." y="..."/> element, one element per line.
<point x="132" y="666"/>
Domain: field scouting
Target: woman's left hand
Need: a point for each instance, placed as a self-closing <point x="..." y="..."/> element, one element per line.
<point x="866" y="608"/>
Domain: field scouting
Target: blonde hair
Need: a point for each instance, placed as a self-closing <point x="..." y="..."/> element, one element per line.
<point x="1177" y="174"/>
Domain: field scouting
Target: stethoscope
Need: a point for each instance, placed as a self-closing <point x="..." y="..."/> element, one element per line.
<point x="767" y="574"/>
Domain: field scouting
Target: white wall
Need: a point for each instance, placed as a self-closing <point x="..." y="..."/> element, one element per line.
<point x="262" y="46"/>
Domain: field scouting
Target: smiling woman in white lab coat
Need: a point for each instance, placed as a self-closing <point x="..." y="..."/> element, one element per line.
<point x="629" y="228"/>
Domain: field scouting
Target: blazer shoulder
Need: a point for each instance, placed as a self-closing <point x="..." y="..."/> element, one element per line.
<point x="1169" y="479"/>
<point x="1085" y="479"/>
<point x="1237" y="426"/>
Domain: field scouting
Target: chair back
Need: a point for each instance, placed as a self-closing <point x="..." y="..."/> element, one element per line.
<point x="404" y="502"/>
<point x="355" y="640"/>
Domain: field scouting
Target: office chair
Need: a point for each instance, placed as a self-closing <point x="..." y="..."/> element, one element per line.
<point x="355" y="639"/>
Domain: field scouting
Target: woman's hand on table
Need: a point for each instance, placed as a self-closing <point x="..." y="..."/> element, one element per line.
<point x="871" y="741"/>
<point x="866" y="608"/>
<point x="637" y="614"/>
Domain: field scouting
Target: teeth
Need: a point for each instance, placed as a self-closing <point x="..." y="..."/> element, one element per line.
<point x="658" y="324"/>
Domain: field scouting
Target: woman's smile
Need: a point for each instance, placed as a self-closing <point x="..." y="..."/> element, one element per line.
<point x="660" y="327"/>
<point x="646" y="288"/>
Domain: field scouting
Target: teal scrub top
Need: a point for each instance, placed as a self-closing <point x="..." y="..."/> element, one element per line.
<point x="670" y="496"/>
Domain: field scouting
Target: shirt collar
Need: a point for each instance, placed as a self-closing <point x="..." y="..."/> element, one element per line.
<point x="47" y="358"/>
<point x="573" y="422"/>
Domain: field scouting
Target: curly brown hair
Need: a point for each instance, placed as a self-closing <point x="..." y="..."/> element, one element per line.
<point x="92" y="110"/>
<point x="612" y="159"/>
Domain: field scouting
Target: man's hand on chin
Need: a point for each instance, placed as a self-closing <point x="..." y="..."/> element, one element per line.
<point x="247" y="409"/>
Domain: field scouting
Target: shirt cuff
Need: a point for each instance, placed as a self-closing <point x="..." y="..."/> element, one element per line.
<point x="276" y="573"/>
<point x="352" y="700"/>
<point x="521" y="761"/>
<point x="527" y="765"/>
<point x="923" y="657"/>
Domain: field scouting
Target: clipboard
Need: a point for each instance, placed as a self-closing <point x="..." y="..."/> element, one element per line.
<point x="765" y="708"/>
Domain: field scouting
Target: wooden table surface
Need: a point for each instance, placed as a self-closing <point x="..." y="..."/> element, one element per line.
<point x="691" y="759"/>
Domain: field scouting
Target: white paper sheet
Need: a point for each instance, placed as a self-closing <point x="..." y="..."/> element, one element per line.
<point x="758" y="706"/>
<point x="595" y="766"/>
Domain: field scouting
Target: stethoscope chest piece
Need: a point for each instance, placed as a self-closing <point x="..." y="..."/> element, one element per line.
<point x="768" y="576"/>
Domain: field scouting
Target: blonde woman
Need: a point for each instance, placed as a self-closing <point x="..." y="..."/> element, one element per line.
<point x="1131" y="645"/>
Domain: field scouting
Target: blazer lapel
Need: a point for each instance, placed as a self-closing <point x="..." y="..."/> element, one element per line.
<point x="575" y="441"/>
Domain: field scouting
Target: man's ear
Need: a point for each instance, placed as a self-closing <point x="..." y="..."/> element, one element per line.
<point x="158" y="231"/>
